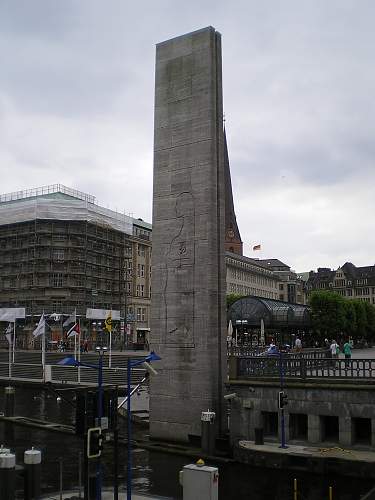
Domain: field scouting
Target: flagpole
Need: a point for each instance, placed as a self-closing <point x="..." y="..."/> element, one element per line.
<point x="44" y="350"/>
<point x="110" y="345"/>
<point x="14" y="340"/>
<point x="79" y="351"/>
<point x="9" y="361"/>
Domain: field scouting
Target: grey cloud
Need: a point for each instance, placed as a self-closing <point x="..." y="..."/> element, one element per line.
<point x="76" y="106"/>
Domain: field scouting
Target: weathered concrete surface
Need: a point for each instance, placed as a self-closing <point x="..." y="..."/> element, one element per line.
<point x="188" y="270"/>
<point x="321" y="460"/>
<point x="345" y="401"/>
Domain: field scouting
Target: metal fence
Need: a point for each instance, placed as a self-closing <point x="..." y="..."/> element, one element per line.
<point x="301" y="368"/>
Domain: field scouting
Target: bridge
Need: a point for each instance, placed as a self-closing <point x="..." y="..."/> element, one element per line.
<point x="330" y="401"/>
<point x="27" y="367"/>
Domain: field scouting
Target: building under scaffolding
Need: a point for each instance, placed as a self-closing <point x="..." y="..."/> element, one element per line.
<point x="60" y="251"/>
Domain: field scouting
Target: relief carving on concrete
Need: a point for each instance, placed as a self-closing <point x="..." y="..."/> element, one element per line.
<point x="178" y="290"/>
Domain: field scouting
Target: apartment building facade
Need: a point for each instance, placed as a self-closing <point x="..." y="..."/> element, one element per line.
<point x="350" y="281"/>
<point x="60" y="251"/>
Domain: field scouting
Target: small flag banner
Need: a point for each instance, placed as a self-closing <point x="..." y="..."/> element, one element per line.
<point x="8" y="333"/>
<point x="74" y="330"/>
<point x="41" y="328"/>
<point x="108" y="322"/>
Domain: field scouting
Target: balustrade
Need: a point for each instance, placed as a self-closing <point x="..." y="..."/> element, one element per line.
<point x="300" y="367"/>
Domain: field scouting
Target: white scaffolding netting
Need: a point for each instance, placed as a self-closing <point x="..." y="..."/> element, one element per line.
<point x="63" y="209"/>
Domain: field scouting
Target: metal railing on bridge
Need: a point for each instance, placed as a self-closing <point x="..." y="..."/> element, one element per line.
<point x="298" y="367"/>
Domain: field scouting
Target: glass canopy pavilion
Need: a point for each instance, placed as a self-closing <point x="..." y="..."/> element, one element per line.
<point x="247" y="313"/>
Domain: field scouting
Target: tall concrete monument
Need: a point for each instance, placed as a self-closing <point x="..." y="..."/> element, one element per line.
<point x="188" y="270"/>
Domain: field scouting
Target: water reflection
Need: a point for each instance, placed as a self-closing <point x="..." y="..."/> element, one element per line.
<point x="155" y="473"/>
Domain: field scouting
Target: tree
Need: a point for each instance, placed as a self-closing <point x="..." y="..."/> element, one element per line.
<point x="370" y="315"/>
<point x="360" y="311"/>
<point x="328" y="313"/>
<point x="351" y="318"/>
<point x="232" y="297"/>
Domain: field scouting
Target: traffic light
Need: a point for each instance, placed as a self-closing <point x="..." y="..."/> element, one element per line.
<point x="94" y="442"/>
<point x="283" y="399"/>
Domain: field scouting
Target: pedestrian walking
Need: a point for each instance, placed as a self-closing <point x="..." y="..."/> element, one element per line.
<point x="348" y="353"/>
<point x="334" y="348"/>
<point x="298" y="345"/>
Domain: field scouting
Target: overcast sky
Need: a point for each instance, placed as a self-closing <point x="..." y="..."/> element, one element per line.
<point x="76" y="107"/>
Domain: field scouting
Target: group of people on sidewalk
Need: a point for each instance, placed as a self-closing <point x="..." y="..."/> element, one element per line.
<point x="334" y="350"/>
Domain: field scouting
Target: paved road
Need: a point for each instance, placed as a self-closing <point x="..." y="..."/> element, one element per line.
<point x="362" y="353"/>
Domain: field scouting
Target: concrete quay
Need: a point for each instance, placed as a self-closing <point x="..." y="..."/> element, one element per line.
<point x="316" y="459"/>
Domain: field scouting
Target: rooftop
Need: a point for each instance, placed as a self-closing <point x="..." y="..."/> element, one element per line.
<point x="46" y="190"/>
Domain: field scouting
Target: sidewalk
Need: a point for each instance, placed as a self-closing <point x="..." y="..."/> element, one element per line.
<point x="106" y="495"/>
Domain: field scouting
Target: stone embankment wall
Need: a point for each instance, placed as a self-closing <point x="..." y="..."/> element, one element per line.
<point x="317" y="412"/>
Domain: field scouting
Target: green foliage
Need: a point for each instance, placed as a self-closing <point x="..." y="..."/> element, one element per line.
<point x="232" y="297"/>
<point x="332" y="315"/>
<point x="351" y="318"/>
<point x="360" y="311"/>
<point x="328" y="313"/>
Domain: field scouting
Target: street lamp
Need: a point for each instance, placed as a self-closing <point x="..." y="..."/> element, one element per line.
<point x="71" y="361"/>
<point x="132" y="364"/>
<point x="282" y="400"/>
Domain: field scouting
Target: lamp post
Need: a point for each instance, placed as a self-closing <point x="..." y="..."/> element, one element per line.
<point x="282" y="401"/>
<point x="71" y="361"/>
<point x="132" y="364"/>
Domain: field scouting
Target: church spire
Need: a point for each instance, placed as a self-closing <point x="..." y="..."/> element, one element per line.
<point x="233" y="242"/>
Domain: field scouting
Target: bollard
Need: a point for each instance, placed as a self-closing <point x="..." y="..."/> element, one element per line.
<point x="7" y="475"/>
<point x="9" y="393"/>
<point x="330" y="493"/>
<point x="295" y="490"/>
<point x="32" y="460"/>
<point x="208" y="432"/>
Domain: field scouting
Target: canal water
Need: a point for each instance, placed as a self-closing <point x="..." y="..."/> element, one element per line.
<point x="156" y="473"/>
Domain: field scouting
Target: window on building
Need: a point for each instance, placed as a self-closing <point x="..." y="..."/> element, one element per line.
<point x="141" y="314"/>
<point x="56" y="280"/>
<point x="141" y="250"/>
<point x="59" y="238"/>
<point x="58" y="254"/>
<point x="80" y="281"/>
<point x="349" y="292"/>
<point x="281" y="286"/>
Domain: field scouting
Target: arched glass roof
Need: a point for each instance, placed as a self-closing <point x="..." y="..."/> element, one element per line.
<point x="275" y="313"/>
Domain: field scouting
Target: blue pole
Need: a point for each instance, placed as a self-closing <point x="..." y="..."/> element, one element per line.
<point x="283" y="440"/>
<point x="100" y="414"/>
<point x="129" y="466"/>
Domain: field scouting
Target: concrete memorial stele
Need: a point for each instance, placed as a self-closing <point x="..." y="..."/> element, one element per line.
<point x="188" y="270"/>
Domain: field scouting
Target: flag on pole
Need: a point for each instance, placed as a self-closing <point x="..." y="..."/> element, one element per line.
<point x="8" y="333"/>
<point x="74" y="330"/>
<point x="108" y="322"/>
<point x="41" y="328"/>
<point x="257" y="247"/>
<point x="72" y="319"/>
